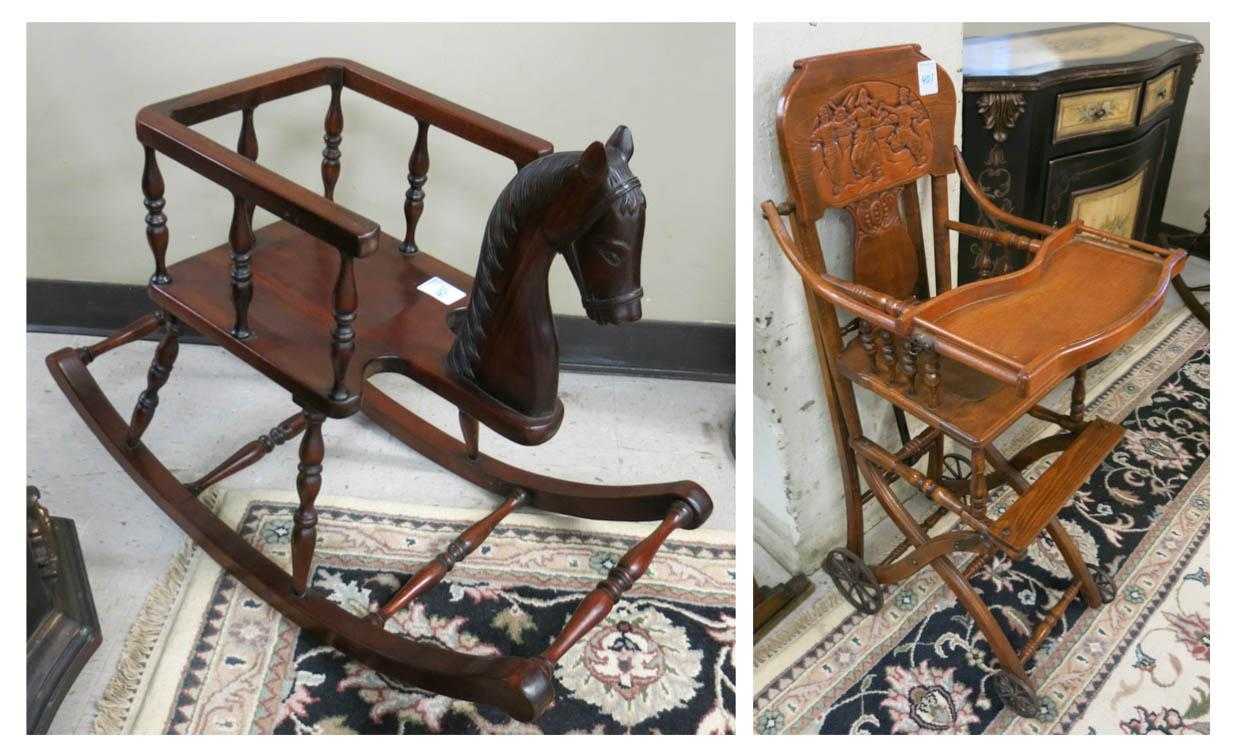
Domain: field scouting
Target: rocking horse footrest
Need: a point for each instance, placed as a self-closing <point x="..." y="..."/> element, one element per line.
<point x="1029" y="515"/>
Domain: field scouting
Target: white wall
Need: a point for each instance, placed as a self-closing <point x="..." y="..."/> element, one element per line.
<point x="1189" y="186"/>
<point x="798" y="492"/>
<point x="672" y="84"/>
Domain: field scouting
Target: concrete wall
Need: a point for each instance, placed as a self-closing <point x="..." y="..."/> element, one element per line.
<point x="1189" y="186"/>
<point x="798" y="493"/>
<point x="672" y="84"/>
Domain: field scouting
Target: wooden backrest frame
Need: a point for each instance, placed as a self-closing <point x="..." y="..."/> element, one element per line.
<point x="855" y="133"/>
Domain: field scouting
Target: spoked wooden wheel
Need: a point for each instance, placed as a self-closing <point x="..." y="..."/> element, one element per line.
<point x="956" y="467"/>
<point x="1105" y="584"/>
<point x="1016" y="694"/>
<point x="855" y="580"/>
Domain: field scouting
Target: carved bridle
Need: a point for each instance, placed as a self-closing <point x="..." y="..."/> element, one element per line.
<point x="589" y="300"/>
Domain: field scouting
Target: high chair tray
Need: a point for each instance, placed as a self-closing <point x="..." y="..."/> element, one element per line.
<point x="1082" y="296"/>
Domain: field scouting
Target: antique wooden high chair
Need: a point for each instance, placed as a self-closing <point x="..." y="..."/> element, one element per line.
<point x="286" y="299"/>
<point x="856" y="131"/>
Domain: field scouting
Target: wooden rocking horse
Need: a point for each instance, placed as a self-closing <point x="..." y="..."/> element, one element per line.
<point x="286" y="300"/>
<point x="856" y="131"/>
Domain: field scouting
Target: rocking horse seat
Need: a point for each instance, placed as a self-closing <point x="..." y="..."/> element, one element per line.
<point x="398" y="328"/>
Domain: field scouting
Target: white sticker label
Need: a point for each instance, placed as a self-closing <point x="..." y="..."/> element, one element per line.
<point x="441" y="291"/>
<point x="927" y="77"/>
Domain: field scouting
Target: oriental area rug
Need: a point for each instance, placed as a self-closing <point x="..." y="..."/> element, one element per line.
<point x="1139" y="665"/>
<point x="206" y="656"/>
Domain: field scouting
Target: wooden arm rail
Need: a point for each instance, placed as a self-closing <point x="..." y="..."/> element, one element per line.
<point x="996" y="236"/>
<point x="164" y="127"/>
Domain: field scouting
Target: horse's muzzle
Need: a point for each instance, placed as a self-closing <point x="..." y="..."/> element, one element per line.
<point x="626" y="308"/>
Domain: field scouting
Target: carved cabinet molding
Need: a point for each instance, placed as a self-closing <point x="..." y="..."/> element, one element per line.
<point x="1072" y="122"/>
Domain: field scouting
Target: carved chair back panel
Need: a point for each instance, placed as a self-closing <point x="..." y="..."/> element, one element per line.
<point x="854" y="129"/>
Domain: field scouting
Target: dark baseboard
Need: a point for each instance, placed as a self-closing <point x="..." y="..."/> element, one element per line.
<point x="649" y="348"/>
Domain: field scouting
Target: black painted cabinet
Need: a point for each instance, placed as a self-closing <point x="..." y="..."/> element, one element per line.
<point x="1074" y="122"/>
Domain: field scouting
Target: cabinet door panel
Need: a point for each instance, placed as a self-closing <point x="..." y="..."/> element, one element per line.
<point x="1109" y="188"/>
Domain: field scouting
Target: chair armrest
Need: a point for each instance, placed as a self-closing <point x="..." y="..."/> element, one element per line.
<point x="517" y="145"/>
<point x="324" y="219"/>
<point x="995" y="236"/>
<point x="880" y="309"/>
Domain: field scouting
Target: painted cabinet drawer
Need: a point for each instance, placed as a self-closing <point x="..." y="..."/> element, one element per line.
<point x="1159" y="92"/>
<point x="1096" y="111"/>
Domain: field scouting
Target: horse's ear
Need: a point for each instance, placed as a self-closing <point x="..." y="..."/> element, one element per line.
<point x="594" y="161"/>
<point x="623" y="141"/>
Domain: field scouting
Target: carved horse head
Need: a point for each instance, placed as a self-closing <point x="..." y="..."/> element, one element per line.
<point x="606" y="260"/>
<point x="585" y="205"/>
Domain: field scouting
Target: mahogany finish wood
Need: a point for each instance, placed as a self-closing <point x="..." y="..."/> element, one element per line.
<point x="455" y="552"/>
<point x="251" y="453"/>
<point x="331" y="155"/>
<point x="332" y="301"/>
<point x="241" y="236"/>
<point x="856" y="134"/>
<point x="417" y="177"/>
<point x="307" y="485"/>
<point x="156" y="377"/>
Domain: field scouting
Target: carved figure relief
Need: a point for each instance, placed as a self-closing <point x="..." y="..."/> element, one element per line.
<point x="871" y="136"/>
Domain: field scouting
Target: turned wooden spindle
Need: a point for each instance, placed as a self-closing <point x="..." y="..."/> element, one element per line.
<point x="470" y="433"/>
<point x="241" y="235"/>
<point x="417" y="177"/>
<point x="138" y="329"/>
<point x="907" y="364"/>
<point x="251" y="453"/>
<point x="160" y="369"/>
<point x="865" y="332"/>
<point x="930" y="366"/>
<point x="342" y="344"/>
<point x="1078" y="395"/>
<point x="457" y="550"/>
<point x="597" y="604"/>
<point x="307" y="484"/>
<point x="1051" y="619"/>
<point x="978" y="483"/>
<point x="886" y="342"/>
<point x="331" y="155"/>
<point x="156" y="221"/>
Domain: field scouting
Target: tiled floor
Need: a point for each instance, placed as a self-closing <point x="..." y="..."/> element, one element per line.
<point x="617" y="429"/>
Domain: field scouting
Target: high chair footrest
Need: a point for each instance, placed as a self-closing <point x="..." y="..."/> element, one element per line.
<point x="1029" y="515"/>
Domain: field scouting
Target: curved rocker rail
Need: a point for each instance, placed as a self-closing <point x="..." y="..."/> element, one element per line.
<point x="520" y="686"/>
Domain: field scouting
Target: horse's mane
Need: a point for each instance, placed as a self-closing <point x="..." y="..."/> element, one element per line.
<point x="523" y="198"/>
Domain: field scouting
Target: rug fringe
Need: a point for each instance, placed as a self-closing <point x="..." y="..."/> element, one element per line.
<point x="112" y="710"/>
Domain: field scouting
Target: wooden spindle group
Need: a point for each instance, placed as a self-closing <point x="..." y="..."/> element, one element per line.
<point x="342" y="345"/>
<point x="899" y="362"/>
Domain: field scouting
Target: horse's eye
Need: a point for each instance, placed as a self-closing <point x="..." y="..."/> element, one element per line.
<point x="611" y="255"/>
